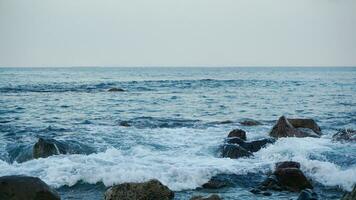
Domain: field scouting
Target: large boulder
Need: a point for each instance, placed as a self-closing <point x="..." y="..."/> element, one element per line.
<point x="283" y="128"/>
<point x="348" y="135"/>
<point x="211" y="197"/>
<point x="287" y="176"/>
<point x="25" y="187"/>
<point x="150" y="190"/>
<point x="305" y="123"/>
<point x="351" y="195"/>
<point x="237" y="133"/>
<point x="234" y="151"/>
<point x="45" y="148"/>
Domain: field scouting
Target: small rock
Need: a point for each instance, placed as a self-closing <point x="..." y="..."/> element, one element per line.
<point x="237" y="133"/>
<point x="25" y="187"/>
<point x="116" y="90"/>
<point x="125" y="123"/>
<point x="308" y="194"/>
<point x="250" y="122"/>
<point x="226" y="122"/>
<point x="150" y="190"/>
<point x="234" y="151"/>
<point x="351" y="195"/>
<point x="45" y="148"/>
<point x="212" y="197"/>
<point x="348" y="135"/>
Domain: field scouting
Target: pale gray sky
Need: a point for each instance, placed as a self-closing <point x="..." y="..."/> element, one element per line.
<point x="178" y="33"/>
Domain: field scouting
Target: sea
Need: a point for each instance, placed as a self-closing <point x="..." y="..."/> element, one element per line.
<point x="170" y="123"/>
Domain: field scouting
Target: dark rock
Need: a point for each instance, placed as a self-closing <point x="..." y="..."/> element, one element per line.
<point x="235" y="140"/>
<point x="214" y="184"/>
<point x="351" y="195"/>
<point x="25" y="187"/>
<point x="287" y="164"/>
<point x="293" y="179"/>
<point x="345" y="135"/>
<point x="256" y="145"/>
<point x="125" y="123"/>
<point x="285" y="129"/>
<point x="238" y="133"/>
<point x="305" y="123"/>
<point x="234" y="151"/>
<point x="308" y="194"/>
<point x="150" y="190"/>
<point x="250" y="122"/>
<point x="212" y="197"/>
<point x="116" y="90"/>
<point x="45" y="148"/>
<point x="226" y="122"/>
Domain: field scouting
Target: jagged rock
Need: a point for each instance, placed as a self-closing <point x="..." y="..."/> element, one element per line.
<point x="234" y="151"/>
<point x="348" y="135"/>
<point x="238" y="133"/>
<point x="305" y="123"/>
<point x="212" y="197"/>
<point x="116" y="90"/>
<point x="45" y="148"/>
<point x="252" y="146"/>
<point x="25" y="187"/>
<point x="351" y="195"/>
<point x="307" y="194"/>
<point x="250" y="122"/>
<point x="283" y="128"/>
<point x="150" y="190"/>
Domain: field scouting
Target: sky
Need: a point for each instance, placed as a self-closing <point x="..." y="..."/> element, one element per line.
<point x="65" y="33"/>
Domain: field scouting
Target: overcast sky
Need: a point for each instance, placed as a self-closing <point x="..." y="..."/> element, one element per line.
<point x="178" y="33"/>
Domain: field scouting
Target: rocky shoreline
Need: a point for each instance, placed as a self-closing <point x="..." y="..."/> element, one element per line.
<point x="287" y="175"/>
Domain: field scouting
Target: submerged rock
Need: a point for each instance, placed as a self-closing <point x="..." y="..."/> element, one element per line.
<point x="238" y="133"/>
<point x="234" y="151"/>
<point x="348" y="135"/>
<point x="287" y="176"/>
<point x="250" y="122"/>
<point x="305" y="123"/>
<point x="116" y="90"/>
<point x="212" y="197"/>
<point x="45" y="148"/>
<point x="283" y="128"/>
<point x="25" y="187"/>
<point x="307" y="194"/>
<point x="150" y="190"/>
<point x="351" y="195"/>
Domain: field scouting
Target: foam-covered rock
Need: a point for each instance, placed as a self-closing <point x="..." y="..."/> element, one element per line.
<point x="347" y="135"/>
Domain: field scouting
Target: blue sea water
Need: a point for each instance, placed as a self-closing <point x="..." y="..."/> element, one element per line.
<point x="175" y="130"/>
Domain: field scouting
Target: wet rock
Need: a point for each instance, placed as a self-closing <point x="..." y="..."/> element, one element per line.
<point x="150" y="190"/>
<point x="283" y="128"/>
<point x="116" y="90"/>
<point x="125" y="123"/>
<point x="45" y="148"/>
<point x="307" y="194"/>
<point x="252" y="146"/>
<point x="25" y="187"/>
<point x="250" y="122"/>
<point x="214" y="184"/>
<point x="348" y="135"/>
<point x="226" y="122"/>
<point x="351" y="195"/>
<point x="234" y="151"/>
<point x="305" y="123"/>
<point x="287" y="176"/>
<point x="212" y="197"/>
<point x="238" y="133"/>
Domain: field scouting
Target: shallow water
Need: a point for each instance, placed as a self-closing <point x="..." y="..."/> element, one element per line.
<point x="175" y="131"/>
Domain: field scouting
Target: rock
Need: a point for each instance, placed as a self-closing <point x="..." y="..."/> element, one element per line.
<point x="226" y="122"/>
<point x="125" y="123"/>
<point x="234" y="151"/>
<point x="238" y="133"/>
<point x="287" y="164"/>
<point x="345" y="135"/>
<point x="252" y="146"/>
<point x="150" y="190"/>
<point x="214" y="184"/>
<point x="285" y="129"/>
<point x="250" y="122"/>
<point x="116" y="90"/>
<point x="307" y="194"/>
<point x="287" y="176"/>
<point x="212" y="197"/>
<point x="25" y="187"/>
<point x="351" y="195"/>
<point x="45" y="148"/>
<point x="305" y="123"/>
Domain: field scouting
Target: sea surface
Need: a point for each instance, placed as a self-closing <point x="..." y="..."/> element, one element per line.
<point x="176" y="129"/>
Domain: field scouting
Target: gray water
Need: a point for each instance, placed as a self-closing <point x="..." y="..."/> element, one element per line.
<point x="175" y="130"/>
